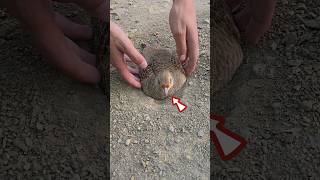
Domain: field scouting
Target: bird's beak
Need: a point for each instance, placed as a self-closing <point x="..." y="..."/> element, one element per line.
<point x="166" y="91"/>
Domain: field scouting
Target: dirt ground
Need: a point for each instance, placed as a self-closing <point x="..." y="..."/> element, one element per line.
<point x="150" y="139"/>
<point x="51" y="127"/>
<point x="273" y="101"/>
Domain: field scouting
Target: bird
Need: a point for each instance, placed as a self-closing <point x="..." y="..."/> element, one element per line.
<point x="164" y="75"/>
<point x="227" y="54"/>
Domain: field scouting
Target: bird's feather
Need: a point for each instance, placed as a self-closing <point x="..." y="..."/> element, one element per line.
<point x="159" y="60"/>
<point x="226" y="49"/>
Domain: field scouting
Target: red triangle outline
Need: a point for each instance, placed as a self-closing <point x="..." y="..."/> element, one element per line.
<point x="217" y="144"/>
<point x="179" y="102"/>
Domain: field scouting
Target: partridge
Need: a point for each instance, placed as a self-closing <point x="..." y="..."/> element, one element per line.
<point x="164" y="75"/>
<point x="226" y="51"/>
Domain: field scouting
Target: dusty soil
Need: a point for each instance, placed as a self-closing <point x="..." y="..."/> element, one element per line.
<point x="273" y="101"/>
<point x="150" y="139"/>
<point x="51" y="127"/>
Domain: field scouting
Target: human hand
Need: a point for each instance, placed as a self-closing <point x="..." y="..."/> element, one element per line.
<point x="122" y="49"/>
<point x="51" y="31"/>
<point x="255" y="19"/>
<point x="183" y="24"/>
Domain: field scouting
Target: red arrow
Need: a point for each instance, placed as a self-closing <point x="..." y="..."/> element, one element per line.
<point x="227" y="143"/>
<point x="176" y="101"/>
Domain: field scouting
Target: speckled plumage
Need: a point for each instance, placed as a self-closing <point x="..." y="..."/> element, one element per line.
<point x="159" y="60"/>
<point x="226" y="49"/>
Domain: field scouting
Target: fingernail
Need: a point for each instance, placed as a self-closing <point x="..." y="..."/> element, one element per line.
<point x="144" y="65"/>
<point x="182" y="57"/>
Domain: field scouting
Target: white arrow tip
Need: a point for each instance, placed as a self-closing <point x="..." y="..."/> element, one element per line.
<point x="175" y="100"/>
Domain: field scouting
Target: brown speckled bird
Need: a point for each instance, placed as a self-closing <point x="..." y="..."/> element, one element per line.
<point x="164" y="75"/>
<point x="226" y="49"/>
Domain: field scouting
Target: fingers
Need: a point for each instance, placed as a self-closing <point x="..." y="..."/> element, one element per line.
<point x="117" y="61"/>
<point x="51" y="42"/>
<point x="134" y="54"/>
<point x="261" y="18"/>
<point x="124" y="44"/>
<point x="83" y="54"/>
<point x="72" y="29"/>
<point x="193" y="49"/>
<point x="181" y="44"/>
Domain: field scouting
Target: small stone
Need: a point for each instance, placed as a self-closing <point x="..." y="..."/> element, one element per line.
<point x="200" y="133"/>
<point x="171" y="128"/>
<point x="143" y="45"/>
<point x="313" y="23"/>
<point x="39" y="126"/>
<point x="294" y="62"/>
<point x="132" y="178"/>
<point x="297" y="87"/>
<point x="307" y="105"/>
<point x="26" y="166"/>
<point x="190" y="83"/>
<point x="28" y="141"/>
<point x="259" y="69"/>
<point x="144" y="163"/>
<point x="147" y="117"/>
<point x="207" y="21"/>
<point x="135" y="141"/>
<point x="291" y="39"/>
<point x="20" y="144"/>
<point x="274" y="45"/>
<point x="306" y="119"/>
<point x="234" y="169"/>
<point x="76" y="177"/>
<point x="128" y="141"/>
<point x="276" y="106"/>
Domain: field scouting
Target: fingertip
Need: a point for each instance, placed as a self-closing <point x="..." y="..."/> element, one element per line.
<point x="183" y="58"/>
<point x="143" y="64"/>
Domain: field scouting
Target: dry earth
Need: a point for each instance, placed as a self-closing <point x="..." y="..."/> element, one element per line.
<point x="150" y="139"/>
<point x="51" y="127"/>
<point x="273" y="101"/>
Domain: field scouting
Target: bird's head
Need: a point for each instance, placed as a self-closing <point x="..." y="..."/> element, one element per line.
<point x="166" y="81"/>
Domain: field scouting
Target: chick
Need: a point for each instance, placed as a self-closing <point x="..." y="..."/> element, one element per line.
<point x="164" y="75"/>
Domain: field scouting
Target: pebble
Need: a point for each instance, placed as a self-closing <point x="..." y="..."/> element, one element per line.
<point x="39" y="126"/>
<point x="259" y="69"/>
<point x="128" y="141"/>
<point x="171" y="128"/>
<point x="297" y="87"/>
<point x="26" y="166"/>
<point x="28" y="141"/>
<point x="147" y="117"/>
<point x="75" y="177"/>
<point x="188" y="157"/>
<point x="296" y="62"/>
<point x="20" y="144"/>
<point x="291" y="39"/>
<point x="276" y="106"/>
<point x="313" y="23"/>
<point x="201" y="133"/>
<point x="307" y="105"/>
